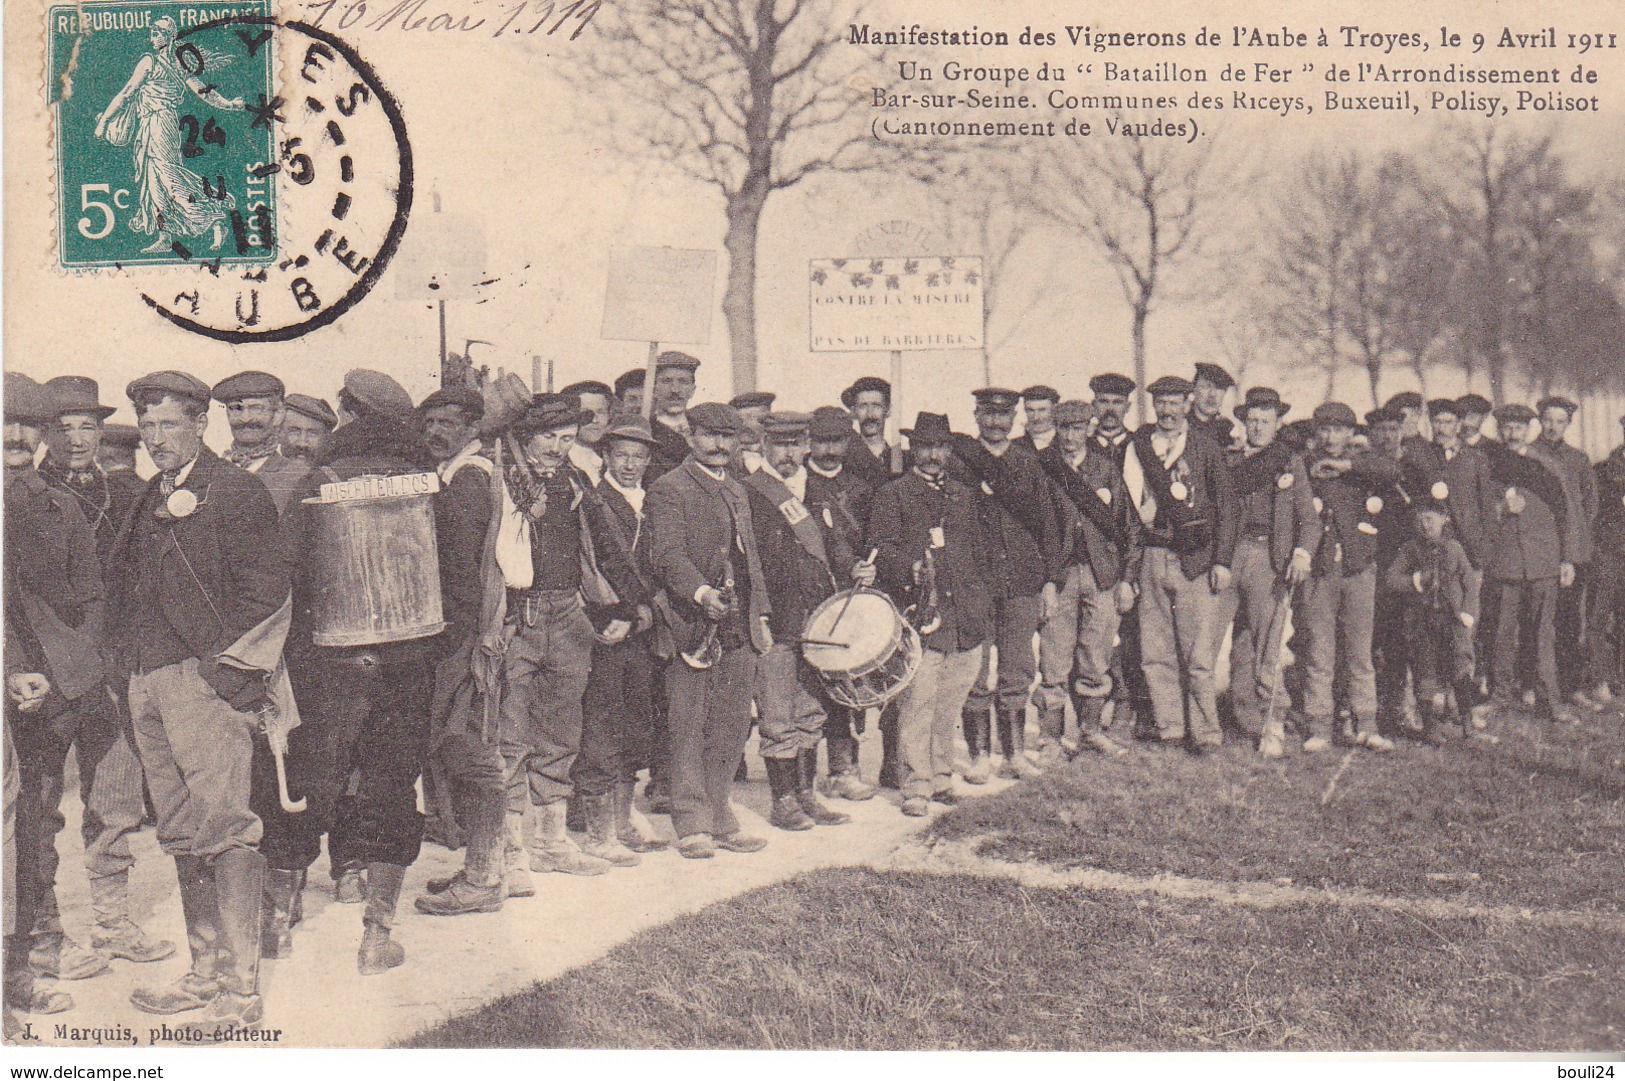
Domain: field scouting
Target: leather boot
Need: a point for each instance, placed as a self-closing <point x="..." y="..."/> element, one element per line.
<point x="658" y="793"/>
<point x="844" y="782"/>
<point x="379" y="952"/>
<point x="54" y="952"/>
<point x="296" y="910"/>
<point x="276" y="919"/>
<point x="889" y="757"/>
<point x="239" y="890"/>
<point x="978" y="738"/>
<point x="603" y="840"/>
<point x="23" y="991"/>
<point x="515" y="860"/>
<point x="575" y="818"/>
<point x="348" y="889"/>
<point x="806" y="778"/>
<point x="553" y="850"/>
<point x="783" y="777"/>
<point x="201" y="909"/>
<point x="115" y="933"/>
<point x="477" y="882"/>
<point x="1090" y="735"/>
<point x="1013" y="732"/>
<point x="631" y="836"/>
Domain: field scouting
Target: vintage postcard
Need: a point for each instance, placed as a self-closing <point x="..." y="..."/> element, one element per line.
<point x="815" y="524"/>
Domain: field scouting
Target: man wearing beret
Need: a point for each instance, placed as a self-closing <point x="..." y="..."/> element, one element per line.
<point x="1015" y="501"/>
<point x="714" y="603"/>
<point x="620" y="726"/>
<point x="804" y="561"/>
<point x="1209" y="387"/>
<point x="1337" y="605"/>
<point x="54" y="610"/>
<point x="306" y="420"/>
<point x="841" y="499"/>
<point x="199" y="602"/>
<point x="1556" y="414"/>
<point x="673" y="389"/>
<point x="1181" y="489"/>
<point x="109" y="772"/>
<point x="1038" y="404"/>
<point x="1532" y="541"/>
<point x="1275" y="548"/>
<point x="868" y="455"/>
<point x="927" y="531"/>
<point x="254" y="410"/>
<point x="568" y="586"/>
<point x="1099" y="536"/>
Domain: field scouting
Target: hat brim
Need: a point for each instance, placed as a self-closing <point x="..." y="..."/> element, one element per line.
<point x="632" y="437"/>
<point x="100" y="412"/>
<point x="1281" y="409"/>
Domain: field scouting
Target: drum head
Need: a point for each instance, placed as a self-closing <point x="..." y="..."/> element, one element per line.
<point x="867" y="633"/>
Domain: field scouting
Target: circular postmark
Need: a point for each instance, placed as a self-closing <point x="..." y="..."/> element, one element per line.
<point x="341" y="166"/>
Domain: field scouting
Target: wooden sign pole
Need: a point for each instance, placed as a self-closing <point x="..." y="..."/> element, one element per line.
<point x="896" y="411"/>
<point x="649" y="384"/>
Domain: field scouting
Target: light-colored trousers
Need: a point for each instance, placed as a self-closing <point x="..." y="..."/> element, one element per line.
<point x="928" y="713"/>
<point x="1075" y="646"/>
<point x="1180" y="632"/>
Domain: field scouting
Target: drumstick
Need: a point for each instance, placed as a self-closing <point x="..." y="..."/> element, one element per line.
<point x="874" y="553"/>
<point x="816" y="642"/>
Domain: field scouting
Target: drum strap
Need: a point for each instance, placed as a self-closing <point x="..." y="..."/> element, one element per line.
<point x="802" y="524"/>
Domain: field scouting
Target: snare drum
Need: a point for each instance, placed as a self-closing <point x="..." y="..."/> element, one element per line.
<point x="878" y="652"/>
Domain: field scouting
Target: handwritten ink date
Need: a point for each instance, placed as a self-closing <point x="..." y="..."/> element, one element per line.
<point x="525" y="17"/>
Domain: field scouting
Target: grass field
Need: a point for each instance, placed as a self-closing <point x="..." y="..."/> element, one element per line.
<point x="1539" y="818"/>
<point x="860" y="959"/>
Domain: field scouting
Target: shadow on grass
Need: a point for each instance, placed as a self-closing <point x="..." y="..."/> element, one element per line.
<point x="1539" y="819"/>
<point x="861" y="959"/>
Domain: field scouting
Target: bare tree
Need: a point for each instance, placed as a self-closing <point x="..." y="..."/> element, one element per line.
<point x="748" y="96"/>
<point x="1145" y="202"/>
<point x="1305" y="280"/>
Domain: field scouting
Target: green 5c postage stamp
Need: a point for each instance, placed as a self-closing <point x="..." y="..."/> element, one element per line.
<point x="164" y="150"/>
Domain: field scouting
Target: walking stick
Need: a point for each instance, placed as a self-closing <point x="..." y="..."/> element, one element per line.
<point x="1278" y="660"/>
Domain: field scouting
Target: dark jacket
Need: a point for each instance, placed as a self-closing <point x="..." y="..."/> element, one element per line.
<point x="1219" y="428"/>
<point x="863" y="463"/>
<point x="1348" y="508"/>
<point x="1610" y="527"/>
<point x="105" y="500"/>
<point x="1016" y="504"/>
<point x="901" y="518"/>
<point x="283" y="478"/>
<point x="1202" y="526"/>
<point x="1529" y="545"/>
<point x="1098" y="443"/>
<point x="669" y="453"/>
<point x="1273" y="486"/>
<point x="693" y="542"/>
<point x="803" y="561"/>
<point x="842" y="501"/>
<point x="1470" y="493"/>
<point x="1103" y="534"/>
<point x="221" y="572"/>
<point x="54" y="601"/>
<point x="1582" y="491"/>
<point x="628" y="531"/>
<point x="1445" y="575"/>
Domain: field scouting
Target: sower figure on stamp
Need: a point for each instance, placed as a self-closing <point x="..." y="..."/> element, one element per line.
<point x="110" y="783"/>
<point x="1182" y="491"/>
<point x="927" y="531"/>
<point x="255" y="412"/>
<point x="1024" y="557"/>
<point x="1337" y="604"/>
<point x="839" y="498"/>
<point x="53" y="615"/>
<point x="1275" y="548"/>
<point x="366" y="706"/>
<point x="618" y="730"/>
<point x="1100" y="538"/>
<point x="558" y="575"/>
<point x="804" y="560"/>
<point x="715" y="605"/>
<point x="198" y="573"/>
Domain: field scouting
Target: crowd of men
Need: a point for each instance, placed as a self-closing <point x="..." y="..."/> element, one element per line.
<point x="621" y="596"/>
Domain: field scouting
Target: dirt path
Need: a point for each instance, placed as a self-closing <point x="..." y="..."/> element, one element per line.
<point x="317" y="999"/>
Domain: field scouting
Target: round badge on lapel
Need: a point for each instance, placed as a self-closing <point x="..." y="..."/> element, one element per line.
<point x="1374" y="505"/>
<point x="1441" y="490"/>
<point x="1178" y="490"/>
<point x="1284" y="481"/>
<point x="182" y="503"/>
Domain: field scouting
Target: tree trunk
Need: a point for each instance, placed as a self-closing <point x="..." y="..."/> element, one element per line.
<point x="739" y="300"/>
<point x="1373" y="372"/>
<point x="1142" y="311"/>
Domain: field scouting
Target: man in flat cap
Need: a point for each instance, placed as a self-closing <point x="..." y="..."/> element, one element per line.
<point x="869" y="455"/>
<point x="1110" y="438"/>
<point x="586" y="454"/>
<point x="629" y="389"/>
<point x="1182" y="491"/>
<point x="927" y="531"/>
<point x="621" y="728"/>
<point x="1099" y="537"/>
<point x="1396" y="524"/>
<point x="254" y="410"/>
<point x="673" y="390"/>
<point x="714" y="604"/>
<point x="1275" y="548"/>
<point x="1473" y="409"/>
<point x="200" y="589"/>
<point x="1406" y="408"/>
<point x="804" y="561"/>
<point x="368" y="707"/>
<point x="1038" y="404"/>
<point x="1532" y="541"/>
<point x="1556" y="414"/>
<point x="306" y="420"/>
<point x="1017" y="511"/>
<point x="754" y="405"/>
<point x="1337" y="605"/>
<point x="109" y="773"/>
<point x="54" y="605"/>
<point x="569" y="585"/>
<point x="840" y="498"/>
<point x="116" y="454"/>
<point x="1209" y="387"/>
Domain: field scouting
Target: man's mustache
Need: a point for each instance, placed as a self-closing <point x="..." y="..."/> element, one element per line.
<point x="14" y="445"/>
